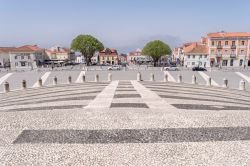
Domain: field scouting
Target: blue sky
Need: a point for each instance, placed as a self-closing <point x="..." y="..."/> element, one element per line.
<point x="121" y="24"/>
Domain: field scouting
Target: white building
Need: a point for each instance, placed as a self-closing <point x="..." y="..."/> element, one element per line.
<point x="5" y="56"/>
<point x="27" y="57"/>
<point x="136" y="56"/>
<point x="196" y="54"/>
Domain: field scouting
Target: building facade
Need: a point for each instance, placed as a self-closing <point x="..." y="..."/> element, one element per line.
<point x="196" y="55"/>
<point x="57" y="55"/>
<point x="5" y="56"/>
<point x="136" y="56"/>
<point x="229" y="49"/>
<point x="109" y="57"/>
<point x="27" y="57"/>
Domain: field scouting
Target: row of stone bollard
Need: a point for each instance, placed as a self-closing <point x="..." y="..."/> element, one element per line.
<point x="242" y="85"/>
<point x="55" y="82"/>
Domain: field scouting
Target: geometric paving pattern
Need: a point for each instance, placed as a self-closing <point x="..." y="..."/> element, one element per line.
<point x="169" y="135"/>
<point x="125" y="123"/>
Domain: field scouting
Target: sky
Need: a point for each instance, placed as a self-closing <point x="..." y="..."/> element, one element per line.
<point x="121" y="24"/>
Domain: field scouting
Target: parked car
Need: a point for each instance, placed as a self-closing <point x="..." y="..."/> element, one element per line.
<point x="171" y="68"/>
<point x="199" y="69"/>
<point x="114" y="67"/>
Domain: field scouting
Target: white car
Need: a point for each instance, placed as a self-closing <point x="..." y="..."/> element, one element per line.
<point x="171" y="68"/>
<point x="114" y="67"/>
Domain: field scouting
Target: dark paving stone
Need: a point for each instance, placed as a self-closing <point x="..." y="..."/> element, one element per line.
<point x="55" y="100"/>
<point x="44" y="108"/>
<point x="125" y="87"/>
<point x="51" y="96"/>
<point x="35" y="93"/>
<point x="127" y="96"/>
<point x="129" y="105"/>
<point x="198" y="99"/>
<point x="126" y="90"/>
<point x="168" y="135"/>
<point x="209" y="107"/>
<point x="180" y="92"/>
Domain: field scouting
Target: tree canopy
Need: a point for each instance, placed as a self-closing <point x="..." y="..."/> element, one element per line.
<point x="156" y="49"/>
<point x="87" y="45"/>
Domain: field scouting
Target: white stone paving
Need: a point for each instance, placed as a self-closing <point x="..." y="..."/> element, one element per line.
<point x="104" y="99"/>
<point x="151" y="98"/>
<point x="170" y="77"/>
<point x="98" y="115"/>
<point x="205" y="76"/>
<point x="5" y="77"/>
<point x="243" y="76"/>
<point x="79" y="78"/>
<point x="44" y="78"/>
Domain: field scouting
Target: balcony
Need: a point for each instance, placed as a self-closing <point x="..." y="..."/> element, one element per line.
<point x="218" y="55"/>
<point x="233" y="47"/>
<point x="232" y="55"/>
<point x="219" y="47"/>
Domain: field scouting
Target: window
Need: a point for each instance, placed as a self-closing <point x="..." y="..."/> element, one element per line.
<point x="233" y="51"/>
<point x="226" y="52"/>
<point x="22" y="57"/>
<point x="193" y="56"/>
<point x="219" y="43"/>
<point x="15" y="57"/>
<point x="193" y="63"/>
<point x="241" y="52"/>
<point x="242" y="43"/>
<point x="188" y="56"/>
<point x="212" y="51"/>
<point x="16" y="64"/>
<point x="212" y="43"/>
<point x="205" y="56"/>
<point x="200" y="56"/>
<point x="233" y="43"/>
<point x="23" y="64"/>
<point x="226" y="43"/>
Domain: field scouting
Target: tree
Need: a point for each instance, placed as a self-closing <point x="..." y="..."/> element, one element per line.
<point x="156" y="49"/>
<point x="87" y="45"/>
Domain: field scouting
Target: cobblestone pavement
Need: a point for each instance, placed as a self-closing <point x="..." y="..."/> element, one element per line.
<point x="125" y="123"/>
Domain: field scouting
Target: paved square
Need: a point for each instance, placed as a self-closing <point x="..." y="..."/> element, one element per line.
<point x="125" y="123"/>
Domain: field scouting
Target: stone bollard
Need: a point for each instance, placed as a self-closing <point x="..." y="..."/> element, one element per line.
<point x="138" y="76"/>
<point x="109" y="77"/>
<point x="24" y="84"/>
<point x="209" y="81"/>
<point x="83" y="78"/>
<point x="179" y="78"/>
<point x="242" y="85"/>
<point x="69" y="79"/>
<point x="55" y="81"/>
<point x="165" y="77"/>
<point x="40" y="82"/>
<point x="152" y="77"/>
<point x="96" y="78"/>
<point x="6" y="87"/>
<point x="194" y="80"/>
<point x="225" y="83"/>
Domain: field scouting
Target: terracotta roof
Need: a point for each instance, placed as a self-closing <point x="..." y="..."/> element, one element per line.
<point x="6" y="49"/>
<point x="27" y="48"/>
<point x="137" y="52"/>
<point x="196" y="48"/>
<point x="231" y="34"/>
<point x="108" y="51"/>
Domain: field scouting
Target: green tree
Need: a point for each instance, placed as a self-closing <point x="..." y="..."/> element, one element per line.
<point x="155" y="49"/>
<point x="87" y="45"/>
